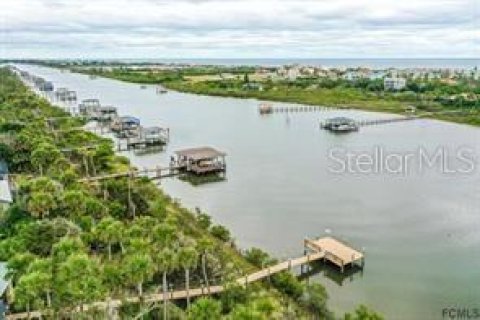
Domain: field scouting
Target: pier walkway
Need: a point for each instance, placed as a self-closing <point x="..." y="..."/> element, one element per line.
<point x="326" y="248"/>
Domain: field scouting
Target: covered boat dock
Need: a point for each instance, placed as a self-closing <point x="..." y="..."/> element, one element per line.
<point x="201" y="160"/>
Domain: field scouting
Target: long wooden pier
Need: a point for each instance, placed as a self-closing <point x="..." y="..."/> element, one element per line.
<point x="327" y="248"/>
<point x="182" y="294"/>
<point x="371" y="122"/>
<point x="269" y="109"/>
<point x="150" y="173"/>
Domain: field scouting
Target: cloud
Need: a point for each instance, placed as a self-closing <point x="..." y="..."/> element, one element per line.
<point x="240" y="28"/>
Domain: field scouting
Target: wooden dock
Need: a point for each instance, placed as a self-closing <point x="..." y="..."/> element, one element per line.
<point x="182" y="294"/>
<point x="149" y="173"/>
<point x="335" y="251"/>
<point x="327" y="248"/>
<point x="371" y="122"/>
<point x="269" y="109"/>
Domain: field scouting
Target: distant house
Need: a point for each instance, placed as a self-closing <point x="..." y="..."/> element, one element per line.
<point x="394" y="83"/>
<point x="5" y="191"/>
<point x="252" y="86"/>
<point x="376" y="75"/>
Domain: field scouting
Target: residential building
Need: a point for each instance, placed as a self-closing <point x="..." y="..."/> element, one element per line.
<point x="394" y="83"/>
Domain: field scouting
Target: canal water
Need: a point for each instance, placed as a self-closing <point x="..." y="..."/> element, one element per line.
<point x="420" y="229"/>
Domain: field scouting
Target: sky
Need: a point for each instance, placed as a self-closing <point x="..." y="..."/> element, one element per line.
<point x="185" y="29"/>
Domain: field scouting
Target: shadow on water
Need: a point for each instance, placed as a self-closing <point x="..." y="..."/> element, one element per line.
<point x="332" y="272"/>
<point x="196" y="180"/>
<point x="148" y="150"/>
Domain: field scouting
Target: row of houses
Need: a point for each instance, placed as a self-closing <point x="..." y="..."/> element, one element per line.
<point x="293" y="72"/>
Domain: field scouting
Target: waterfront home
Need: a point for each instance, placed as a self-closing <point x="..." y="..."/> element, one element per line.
<point x="395" y="83"/>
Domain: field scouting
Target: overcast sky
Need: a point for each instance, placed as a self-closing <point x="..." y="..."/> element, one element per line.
<point x="239" y="28"/>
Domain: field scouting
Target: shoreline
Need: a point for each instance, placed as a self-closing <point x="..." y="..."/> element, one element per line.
<point x="171" y="86"/>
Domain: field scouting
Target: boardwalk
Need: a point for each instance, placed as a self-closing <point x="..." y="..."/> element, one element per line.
<point x="326" y="248"/>
<point x="182" y="294"/>
<point x="269" y="109"/>
<point x="150" y="173"/>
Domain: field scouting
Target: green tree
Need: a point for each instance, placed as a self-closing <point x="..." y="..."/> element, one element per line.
<point x="77" y="281"/>
<point x="204" y="220"/>
<point x="18" y="265"/>
<point x="26" y="292"/>
<point x="138" y="268"/>
<point x="220" y="232"/>
<point x="188" y="258"/>
<point x="257" y="257"/>
<point x="204" y="246"/>
<point x="73" y="203"/>
<point x="314" y="299"/>
<point x="44" y="155"/>
<point x="41" y="204"/>
<point x="204" y="309"/>
<point x="246" y="312"/>
<point x="42" y="273"/>
<point x="109" y="231"/>
<point x="166" y="262"/>
<point x="363" y="313"/>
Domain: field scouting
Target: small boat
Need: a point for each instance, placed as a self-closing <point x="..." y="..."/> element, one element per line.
<point x="143" y="86"/>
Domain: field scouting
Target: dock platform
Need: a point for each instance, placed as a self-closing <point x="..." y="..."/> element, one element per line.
<point x="335" y="251"/>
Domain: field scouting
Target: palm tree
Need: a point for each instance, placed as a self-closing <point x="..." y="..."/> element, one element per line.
<point x="109" y="231"/>
<point x="187" y="258"/>
<point x="138" y="269"/>
<point x="204" y="246"/>
<point x="40" y="204"/>
<point x="44" y="155"/>
<point x="205" y="309"/>
<point x="84" y="154"/>
<point x="166" y="261"/>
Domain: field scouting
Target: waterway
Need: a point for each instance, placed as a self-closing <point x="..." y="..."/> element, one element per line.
<point x="419" y="228"/>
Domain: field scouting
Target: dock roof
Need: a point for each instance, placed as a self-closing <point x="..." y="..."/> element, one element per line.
<point x="201" y="153"/>
<point x="129" y="120"/>
<point x="340" y="120"/>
